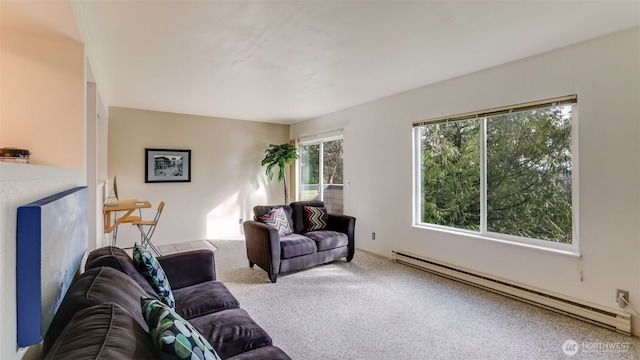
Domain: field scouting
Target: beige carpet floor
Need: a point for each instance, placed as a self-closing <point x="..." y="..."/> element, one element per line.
<point x="373" y="308"/>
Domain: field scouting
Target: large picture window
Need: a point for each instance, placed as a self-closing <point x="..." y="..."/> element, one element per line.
<point x="506" y="173"/>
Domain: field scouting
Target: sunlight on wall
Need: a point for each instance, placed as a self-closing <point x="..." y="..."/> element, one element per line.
<point x="222" y="222"/>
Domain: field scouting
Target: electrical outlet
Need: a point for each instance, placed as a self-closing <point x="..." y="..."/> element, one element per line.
<point x="620" y="294"/>
<point x="240" y="221"/>
<point x="373" y="236"/>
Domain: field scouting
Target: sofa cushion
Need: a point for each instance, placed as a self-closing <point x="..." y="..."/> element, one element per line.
<point x="118" y="259"/>
<point x="203" y="298"/>
<point x="277" y="219"/>
<point x="172" y="335"/>
<point x="297" y="213"/>
<point x="296" y="245"/>
<point x="189" y="267"/>
<point x="327" y="239"/>
<point x="150" y="268"/>
<point x="103" y="332"/>
<point x="94" y="287"/>
<point x="315" y="218"/>
<point x="231" y="332"/>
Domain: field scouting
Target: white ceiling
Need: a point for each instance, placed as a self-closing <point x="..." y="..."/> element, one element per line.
<point x="287" y="61"/>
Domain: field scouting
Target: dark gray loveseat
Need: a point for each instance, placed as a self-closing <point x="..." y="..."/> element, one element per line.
<point x="100" y="317"/>
<point x="302" y="249"/>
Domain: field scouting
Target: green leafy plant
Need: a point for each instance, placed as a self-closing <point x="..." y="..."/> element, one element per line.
<point x="280" y="155"/>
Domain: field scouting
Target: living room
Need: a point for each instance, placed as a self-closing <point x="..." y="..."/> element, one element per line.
<point x="227" y="179"/>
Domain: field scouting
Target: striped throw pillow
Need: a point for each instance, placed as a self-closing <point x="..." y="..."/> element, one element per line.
<point x="316" y="218"/>
<point x="278" y="219"/>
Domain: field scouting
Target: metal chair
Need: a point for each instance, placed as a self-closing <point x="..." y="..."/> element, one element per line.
<point x="145" y="236"/>
<point x="127" y="220"/>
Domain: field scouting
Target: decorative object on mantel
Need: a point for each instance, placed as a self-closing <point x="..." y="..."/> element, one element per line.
<point x="281" y="155"/>
<point x="11" y="154"/>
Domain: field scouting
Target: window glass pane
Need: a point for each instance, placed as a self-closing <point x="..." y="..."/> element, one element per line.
<point x="309" y="172"/>
<point x="529" y="174"/>
<point x="450" y="168"/>
<point x="332" y="176"/>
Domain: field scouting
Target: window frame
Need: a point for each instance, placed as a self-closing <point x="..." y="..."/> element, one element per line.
<point x="572" y="249"/>
<point x="318" y="141"/>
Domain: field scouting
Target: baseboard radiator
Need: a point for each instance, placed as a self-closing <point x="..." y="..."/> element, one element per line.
<point x="608" y="318"/>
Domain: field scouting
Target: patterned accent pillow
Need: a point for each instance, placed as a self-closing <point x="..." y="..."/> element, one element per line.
<point x="173" y="335"/>
<point x="315" y="218"/>
<point x="150" y="268"/>
<point x="278" y="219"/>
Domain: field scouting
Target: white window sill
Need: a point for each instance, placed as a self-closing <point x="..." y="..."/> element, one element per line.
<point x="568" y="251"/>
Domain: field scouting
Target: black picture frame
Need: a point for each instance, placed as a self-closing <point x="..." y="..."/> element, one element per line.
<point x="167" y="165"/>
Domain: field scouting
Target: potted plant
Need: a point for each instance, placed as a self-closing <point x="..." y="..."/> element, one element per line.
<point x="280" y="155"/>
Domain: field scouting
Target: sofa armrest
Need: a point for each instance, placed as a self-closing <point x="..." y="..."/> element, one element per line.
<point x="189" y="268"/>
<point x="345" y="224"/>
<point x="341" y="223"/>
<point x="263" y="246"/>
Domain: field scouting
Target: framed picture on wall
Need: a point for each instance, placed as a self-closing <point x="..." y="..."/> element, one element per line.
<point x="167" y="165"/>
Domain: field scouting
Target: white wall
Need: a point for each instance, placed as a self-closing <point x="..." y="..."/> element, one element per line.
<point x="96" y="162"/>
<point x="605" y="75"/>
<point x="227" y="179"/>
<point x="22" y="184"/>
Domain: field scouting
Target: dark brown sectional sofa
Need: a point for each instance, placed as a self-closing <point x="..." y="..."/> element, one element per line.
<point x="100" y="317"/>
